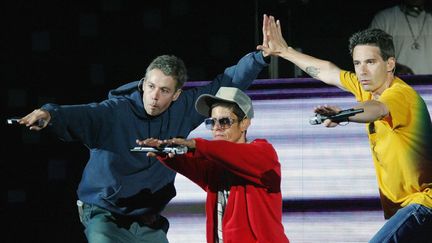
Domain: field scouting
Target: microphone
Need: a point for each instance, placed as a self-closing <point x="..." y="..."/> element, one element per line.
<point x="179" y="149"/>
<point x="339" y="117"/>
<point x="15" y="121"/>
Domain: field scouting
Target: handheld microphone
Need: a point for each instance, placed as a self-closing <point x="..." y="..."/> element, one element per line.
<point x="339" y="117"/>
<point x="179" y="149"/>
<point x="15" y="121"/>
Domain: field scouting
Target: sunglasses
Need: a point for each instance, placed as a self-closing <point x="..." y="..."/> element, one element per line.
<point x="224" y="122"/>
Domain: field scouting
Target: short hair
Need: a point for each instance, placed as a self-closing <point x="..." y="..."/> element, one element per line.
<point x="232" y="106"/>
<point x="172" y="66"/>
<point x="373" y="37"/>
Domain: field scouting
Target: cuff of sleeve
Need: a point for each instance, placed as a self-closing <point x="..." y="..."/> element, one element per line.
<point x="259" y="57"/>
<point x="267" y="59"/>
<point x="200" y="145"/>
<point x="51" y="109"/>
<point x="163" y="158"/>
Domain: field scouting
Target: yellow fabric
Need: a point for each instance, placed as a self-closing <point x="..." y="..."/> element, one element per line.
<point x="400" y="144"/>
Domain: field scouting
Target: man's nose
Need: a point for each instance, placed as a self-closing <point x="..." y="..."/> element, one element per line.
<point x="217" y="126"/>
<point x="363" y="68"/>
<point x="156" y="94"/>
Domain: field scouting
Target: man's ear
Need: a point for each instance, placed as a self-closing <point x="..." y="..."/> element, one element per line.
<point x="245" y="123"/>
<point x="177" y="94"/>
<point x="141" y="85"/>
<point x="391" y="64"/>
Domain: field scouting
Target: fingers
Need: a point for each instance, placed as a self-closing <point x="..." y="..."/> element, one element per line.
<point x="268" y="28"/>
<point x="29" y="119"/>
<point x="273" y="41"/>
<point x="160" y="144"/>
<point x="262" y="47"/>
<point x="152" y="142"/>
<point x="326" y="109"/>
<point x="264" y="30"/>
<point x="329" y="123"/>
<point x="278" y="26"/>
<point x="320" y="109"/>
<point x="35" y="128"/>
<point x="265" y="24"/>
<point x="178" y="141"/>
<point x="151" y="154"/>
<point x="190" y="143"/>
<point x="36" y="120"/>
<point x="273" y="26"/>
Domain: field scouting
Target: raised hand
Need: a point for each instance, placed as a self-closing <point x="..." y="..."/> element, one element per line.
<point x="273" y="41"/>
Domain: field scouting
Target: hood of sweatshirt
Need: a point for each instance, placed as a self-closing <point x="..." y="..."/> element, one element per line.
<point x="133" y="95"/>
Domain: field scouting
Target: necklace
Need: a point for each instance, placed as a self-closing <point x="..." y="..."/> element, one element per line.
<point x="415" y="45"/>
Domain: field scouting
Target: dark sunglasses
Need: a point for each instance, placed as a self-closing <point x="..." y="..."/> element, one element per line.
<point x="224" y="122"/>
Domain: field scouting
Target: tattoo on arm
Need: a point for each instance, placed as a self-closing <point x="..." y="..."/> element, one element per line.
<point x="312" y="71"/>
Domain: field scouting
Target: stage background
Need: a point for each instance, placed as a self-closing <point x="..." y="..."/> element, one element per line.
<point x="73" y="52"/>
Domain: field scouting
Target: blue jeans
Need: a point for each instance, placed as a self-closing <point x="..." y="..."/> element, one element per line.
<point x="412" y="223"/>
<point x="101" y="226"/>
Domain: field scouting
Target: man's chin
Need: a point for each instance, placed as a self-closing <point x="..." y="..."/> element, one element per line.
<point x="366" y="88"/>
<point x="152" y="112"/>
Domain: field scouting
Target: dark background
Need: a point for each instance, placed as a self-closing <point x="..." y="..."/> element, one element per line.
<point x="72" y="52"/>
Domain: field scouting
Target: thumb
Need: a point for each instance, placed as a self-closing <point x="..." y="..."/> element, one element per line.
<point x="261" y="48"/>
<point x="151" y="154"/>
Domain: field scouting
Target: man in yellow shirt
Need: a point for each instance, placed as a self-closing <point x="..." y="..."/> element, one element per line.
<point x="398" y="124"/>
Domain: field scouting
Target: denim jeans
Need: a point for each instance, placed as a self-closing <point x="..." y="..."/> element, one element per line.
<point x="412" y="223"/>
<point x="101" y="226"/>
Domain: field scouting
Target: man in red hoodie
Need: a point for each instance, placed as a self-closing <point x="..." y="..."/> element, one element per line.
<point x="242" y="179"/>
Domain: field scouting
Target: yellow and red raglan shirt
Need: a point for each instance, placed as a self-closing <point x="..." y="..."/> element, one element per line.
<point x="401" y="144"/>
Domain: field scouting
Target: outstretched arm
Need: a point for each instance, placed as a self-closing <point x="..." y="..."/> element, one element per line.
<point x="373" y="110"/>
<point x="240" y="76"/>
<point x="84" y="122"/>
<point x="256" y="162"/>
<point x="185" y="164"/>
<point x="276" y="45"/>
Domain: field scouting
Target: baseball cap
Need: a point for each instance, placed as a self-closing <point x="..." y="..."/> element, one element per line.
<point x="225" y="94"/>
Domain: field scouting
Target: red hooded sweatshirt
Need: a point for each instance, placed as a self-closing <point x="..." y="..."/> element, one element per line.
<point x="251" y="173"/>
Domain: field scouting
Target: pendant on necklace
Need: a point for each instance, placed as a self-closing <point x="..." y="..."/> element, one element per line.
<point x="415" y="46"/>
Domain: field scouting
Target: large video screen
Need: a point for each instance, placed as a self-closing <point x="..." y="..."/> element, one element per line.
<point x="317" y="162"/>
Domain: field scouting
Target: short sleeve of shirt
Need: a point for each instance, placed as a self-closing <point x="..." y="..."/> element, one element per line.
<point x="350" y="82"/>
<point x="398" y="100"/>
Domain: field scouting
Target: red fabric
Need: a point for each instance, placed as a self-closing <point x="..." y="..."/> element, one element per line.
<point x="254" y="209"/>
